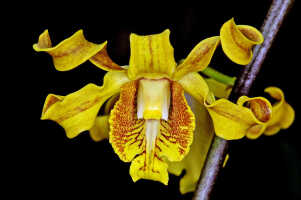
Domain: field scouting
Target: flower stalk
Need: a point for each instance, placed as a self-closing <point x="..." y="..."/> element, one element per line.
<point x="274" y="18"/>
<point x="220" y="77"/>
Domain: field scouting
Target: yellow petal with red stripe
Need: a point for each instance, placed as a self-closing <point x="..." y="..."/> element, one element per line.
<point x="77" y="111"/>
<point x="237" y="41"/>
<point x="74" y="51"/>
<point x="103" y="61"/>
<point x="232" y="121"/>
<point x="151" y="54"/>
<point x="199" y="58"/>
<point x="71" y="52"/>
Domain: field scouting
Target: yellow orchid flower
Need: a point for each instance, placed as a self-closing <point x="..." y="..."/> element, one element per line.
<point x="151" y="122"/>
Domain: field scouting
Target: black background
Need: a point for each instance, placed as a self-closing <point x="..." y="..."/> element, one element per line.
<point x="44" y="163"/>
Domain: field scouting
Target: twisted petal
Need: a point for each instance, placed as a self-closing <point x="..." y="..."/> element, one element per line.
<point x="233" y="121"/>
<point x="283" y="116"/>
<point x="74" y="51"/>
<point x="202" y="138"/>
<point x="151" y="54"/>
<point x="199" y="58"/>
<point x="145" y="142"/>
<point x="237" y="41"/>
<point x="77" y="111"/>
<point x="103" y="61"/>
<point x="283" y="113"/>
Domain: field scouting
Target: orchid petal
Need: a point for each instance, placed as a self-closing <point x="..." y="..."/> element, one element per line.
<point x="74" y="51"/>
<point x="199" y="58"/>
<point x="237" y="41"/>
<point x="77" y="111"/>
<point x="232" y="121"/>
<point x="283" y="113"/>
<point x="195" y="85"/>
<point x="151" y="54"/>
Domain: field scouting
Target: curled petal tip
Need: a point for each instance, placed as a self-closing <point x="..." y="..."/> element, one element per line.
<point x="260" y="107"/>
<point x="44" y="42"/>
<point x="232" y="121"/>
<point x="237" y="41"/>
<point x="283" y="113"/>
<point x="69" y="53"/>
<point x="51" y="100"/>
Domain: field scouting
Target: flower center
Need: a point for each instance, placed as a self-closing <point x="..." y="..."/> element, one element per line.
<point x="153" y="99"/>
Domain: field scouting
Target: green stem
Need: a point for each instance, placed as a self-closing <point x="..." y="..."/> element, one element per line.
<point x="218" y="76"/>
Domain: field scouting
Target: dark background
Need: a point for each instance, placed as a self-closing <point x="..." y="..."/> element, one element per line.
<point x="47" y="164"/>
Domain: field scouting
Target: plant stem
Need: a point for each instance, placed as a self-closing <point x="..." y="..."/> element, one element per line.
<point x="217" y="153"/>
<point x="218" y="76"/>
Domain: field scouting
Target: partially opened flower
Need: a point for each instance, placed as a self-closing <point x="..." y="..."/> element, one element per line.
<point x="151" y="123"/>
